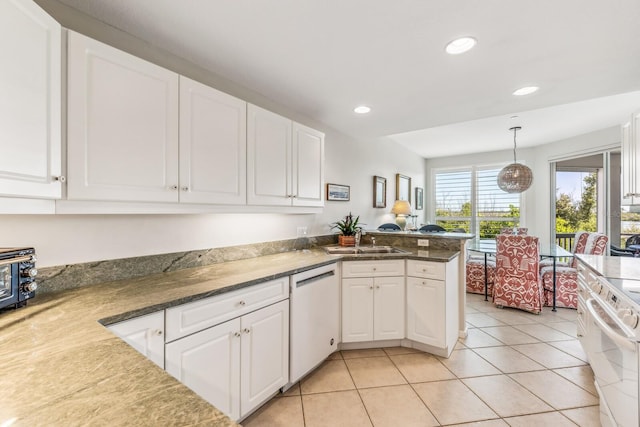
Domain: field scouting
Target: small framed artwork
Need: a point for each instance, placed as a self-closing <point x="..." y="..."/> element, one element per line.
<point x="338" y="192"/>
<point x="403" y="187"/>
<point x="379" y="192"/>
<point x="419" y="198"/>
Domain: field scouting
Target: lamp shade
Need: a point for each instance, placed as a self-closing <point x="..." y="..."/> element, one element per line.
<point x="515" y="178"/>
<point x="401" y="207"/>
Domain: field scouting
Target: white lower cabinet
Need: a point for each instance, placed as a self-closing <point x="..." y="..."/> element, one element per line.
<point x="238" y="364"/>
<point x="372" y="305"/>
<point x="145" y="334"/>
<point x="432" y="304"/>
<point x="425" y="309"/>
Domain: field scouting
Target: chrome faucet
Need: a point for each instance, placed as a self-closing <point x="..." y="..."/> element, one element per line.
<point x="373" y="241"/>
<point x="359" y="234"/>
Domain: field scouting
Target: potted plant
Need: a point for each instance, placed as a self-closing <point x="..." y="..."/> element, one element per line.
<point x="348" y="229"/>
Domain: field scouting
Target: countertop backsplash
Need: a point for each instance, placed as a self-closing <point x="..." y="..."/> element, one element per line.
<point x="51" y="279"/>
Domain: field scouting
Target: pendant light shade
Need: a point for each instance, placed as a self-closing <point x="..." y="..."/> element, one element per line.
<point x="516" y="177"/>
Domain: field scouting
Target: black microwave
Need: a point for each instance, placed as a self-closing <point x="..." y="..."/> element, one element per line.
<point x="17" y="276"/>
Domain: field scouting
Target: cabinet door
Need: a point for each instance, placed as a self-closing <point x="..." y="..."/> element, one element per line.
<point x="264" y="366"/>
<point x="388" y="308"/>
<point x="213" y="145"/>
<point x="627" y="163"/>
<point x="30" y="104"/>
<point x="208" y="362"/>
<point x="357" y="309"/>
<point x="122" y="123"/>
<point x="268" y="158"/>
<point x="631" y="161"/>
<point x="308" y="166"/>
<point x="426" y="311"/>
<point x="145" y="334"/>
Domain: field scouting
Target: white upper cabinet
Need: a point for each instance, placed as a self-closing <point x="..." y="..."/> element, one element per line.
<point x="30" y="101"/>
<point x="631" y="161"/>
<point x="138" y="132"/>
<point x="213" y="145"/>
<point x="307" y="166"/>
<point x="285" y="161"/>
<point x="122" y="125"/>
<point x="269" y="157"/>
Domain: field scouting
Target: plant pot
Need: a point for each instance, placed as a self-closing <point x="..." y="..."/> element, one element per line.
<point x="346" y="240"/>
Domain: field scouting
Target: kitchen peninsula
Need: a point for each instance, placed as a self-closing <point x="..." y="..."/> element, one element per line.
<point x="61" y="364"/>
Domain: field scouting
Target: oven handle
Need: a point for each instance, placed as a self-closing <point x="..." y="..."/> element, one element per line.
<point x="25" y="258"/>
<point x="618" y="339"/>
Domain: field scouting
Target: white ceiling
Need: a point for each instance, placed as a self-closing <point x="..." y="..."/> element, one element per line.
<point x="324" y="57"/>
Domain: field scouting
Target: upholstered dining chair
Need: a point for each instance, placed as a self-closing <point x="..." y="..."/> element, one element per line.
<point x="567" y="275"/>
<point x="389" y="226"/>
<point x="431" y="228"/>
<point x="579" y="243"/>
<point x="517" y="277"/>
<point x="475" y="274"/>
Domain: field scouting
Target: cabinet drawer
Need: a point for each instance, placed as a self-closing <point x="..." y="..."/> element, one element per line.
<point x="426" y="269"/>
<point x="193" y="317"/>
<point x="373" y="268"/>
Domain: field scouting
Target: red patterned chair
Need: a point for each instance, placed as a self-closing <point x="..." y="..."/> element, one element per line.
<point x="517" y="278"/>
<point x="579" y="243"/>
<point x="475" y="274"/>
<point x="567" y="275"/>
<point x="520" y="231"/>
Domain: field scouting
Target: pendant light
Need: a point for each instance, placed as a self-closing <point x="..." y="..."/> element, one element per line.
<point x="516" y="177"/>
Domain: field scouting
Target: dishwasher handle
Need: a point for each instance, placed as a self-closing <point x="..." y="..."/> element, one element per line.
<point x="310" y="280"/>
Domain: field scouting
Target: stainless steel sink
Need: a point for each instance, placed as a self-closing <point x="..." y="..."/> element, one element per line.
<point x="336" y="250"/>
<point x="340" y="250"/>
<point x="381" y="250"/>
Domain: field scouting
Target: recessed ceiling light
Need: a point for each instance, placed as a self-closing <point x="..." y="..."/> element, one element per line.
<point x="526" y="90"/>
<point x="362" y="109"/>
<point x="460" y="45"/>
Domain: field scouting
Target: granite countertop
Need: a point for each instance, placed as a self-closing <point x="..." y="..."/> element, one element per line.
<point x="620" y="267"/>
<point x="60" y="366"/>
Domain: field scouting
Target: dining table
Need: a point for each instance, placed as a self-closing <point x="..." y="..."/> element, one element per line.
<point x="547" y="250"/>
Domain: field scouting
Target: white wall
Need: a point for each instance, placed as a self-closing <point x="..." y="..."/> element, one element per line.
<point x="68" y="239"/>
<point x="537" y="200"/>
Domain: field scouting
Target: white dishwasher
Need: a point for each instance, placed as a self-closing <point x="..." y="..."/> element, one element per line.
<point x="314" y="319"/>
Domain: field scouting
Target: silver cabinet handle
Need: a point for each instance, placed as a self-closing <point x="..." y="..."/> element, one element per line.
<point x="157" y="332"/>
<point x="173" y="187"/>
<point x="236" y="334"/>
<point x="246" y="330"/>
<point x="185" y="188"/>
<point x="60" y="178"/>
<point x="242" y="303"/>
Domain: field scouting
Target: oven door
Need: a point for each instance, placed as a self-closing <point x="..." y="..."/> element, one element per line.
<point x="8" y="284"/>
<point x="614" y="360"/>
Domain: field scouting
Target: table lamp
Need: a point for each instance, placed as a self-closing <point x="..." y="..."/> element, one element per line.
<point x="401" y="208"/>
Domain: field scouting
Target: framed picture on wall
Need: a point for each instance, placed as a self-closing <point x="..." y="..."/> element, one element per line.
<point x="379" y="192"/>
<point x="403" y="187"/>
<point x="338" y="192"/>
<point x="419" y="199"/>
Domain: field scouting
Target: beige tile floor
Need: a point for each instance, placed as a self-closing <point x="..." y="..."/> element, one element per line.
<point x="514" y="369"/>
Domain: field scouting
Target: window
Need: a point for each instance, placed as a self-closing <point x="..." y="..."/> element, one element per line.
<point x="471" y="199"/>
